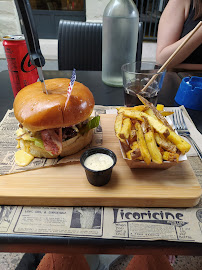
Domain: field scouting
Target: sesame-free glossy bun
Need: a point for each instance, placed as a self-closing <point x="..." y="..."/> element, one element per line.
<point x="36" y="110"/>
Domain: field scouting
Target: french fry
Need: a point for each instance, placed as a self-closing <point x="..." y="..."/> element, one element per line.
<point x="156" y="124"/>
<point x="123" y="141"/>
<point x="133" y="114"/>
<point x="153" y="149"/>
<point x="165" y="144"/>
<point x="159" y="107"/>
<point x="151" y="113"/>
<point x="133" y="135"/>
<point x="170" y="156"/>
<point x="181" y="144"/>
<point x="150" y="141"/>
<point x="126" y="129"/>
<point x="128" y="154"/>
<point x="145" y="125"/>
<point x="134" y="145"/>
<point x="140" y="108"/>
<point x="134" y="153"/>
<point x="166" y="113"/>
<point x="118" y="123"/>
<point x="125" y="145"/>
<point x="156" y="112"/>
<point x="118" y="127"/>
<point x="142" y="144"/>
<point x="161" y="150"/>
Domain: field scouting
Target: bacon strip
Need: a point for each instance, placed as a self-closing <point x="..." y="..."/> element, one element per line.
<point x="52" y="139"/>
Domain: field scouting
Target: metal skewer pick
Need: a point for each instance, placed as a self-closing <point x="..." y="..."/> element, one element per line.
<point x="41" y="78"/>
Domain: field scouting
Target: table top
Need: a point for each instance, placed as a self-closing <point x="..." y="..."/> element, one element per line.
<point x="107" y="96"/>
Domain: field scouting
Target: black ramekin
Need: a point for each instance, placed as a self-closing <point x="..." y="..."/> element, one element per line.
<point x="98" y="178"/>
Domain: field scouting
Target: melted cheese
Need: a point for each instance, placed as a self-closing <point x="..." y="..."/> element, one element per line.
<point x="20" y="132"/>
<point x="18" y="145"/>
<point x="22" y="158"/>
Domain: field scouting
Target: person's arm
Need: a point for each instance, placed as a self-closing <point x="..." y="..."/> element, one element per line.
<point x="169" y="31"/>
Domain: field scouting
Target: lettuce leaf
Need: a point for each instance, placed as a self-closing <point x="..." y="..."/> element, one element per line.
<point x="39" y="143"/>
<point x="93" y="123"/>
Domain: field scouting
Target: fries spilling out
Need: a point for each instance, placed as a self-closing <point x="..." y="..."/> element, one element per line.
<point x="146" y="135"/>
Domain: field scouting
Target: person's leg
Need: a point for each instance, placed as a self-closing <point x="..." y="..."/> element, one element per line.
<point x="54" y="261"/>
<point x="149" y="262"/>
<point x="29" y="261"/>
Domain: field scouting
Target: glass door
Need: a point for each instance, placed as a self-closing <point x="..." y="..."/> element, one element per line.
<point x="48" y="13"/>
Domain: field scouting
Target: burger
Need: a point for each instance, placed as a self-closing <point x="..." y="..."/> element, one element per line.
<point x="48" y="126"/>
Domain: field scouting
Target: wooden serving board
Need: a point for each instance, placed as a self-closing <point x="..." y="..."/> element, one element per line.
<point x="67" y="185"/>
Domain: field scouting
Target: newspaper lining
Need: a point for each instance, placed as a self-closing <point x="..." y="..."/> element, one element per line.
<point x="183" y="225"/>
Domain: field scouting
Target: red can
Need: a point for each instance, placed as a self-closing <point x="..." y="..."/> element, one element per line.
<point x="21" y="71"/>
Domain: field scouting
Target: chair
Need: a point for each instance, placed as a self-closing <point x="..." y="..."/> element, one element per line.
<point x="80" y="45"/>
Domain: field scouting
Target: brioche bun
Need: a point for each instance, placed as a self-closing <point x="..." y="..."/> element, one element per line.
<point x="36" y="110"/>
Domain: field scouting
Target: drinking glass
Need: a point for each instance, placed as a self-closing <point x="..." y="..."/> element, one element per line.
<point x="135" y="76"/>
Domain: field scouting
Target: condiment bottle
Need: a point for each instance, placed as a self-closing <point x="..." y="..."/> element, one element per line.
<point x="119" y="39"/>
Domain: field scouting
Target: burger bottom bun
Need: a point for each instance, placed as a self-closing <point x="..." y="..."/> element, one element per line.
<point x="76" y="143"/>
<point x="69" y="147"/>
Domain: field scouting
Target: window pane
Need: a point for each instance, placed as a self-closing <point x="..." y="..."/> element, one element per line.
<point x="71" y="5"/>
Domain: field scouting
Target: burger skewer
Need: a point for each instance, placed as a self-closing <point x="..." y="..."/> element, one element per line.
<point x="70" y="87"/>
<point x="41" y="78"/>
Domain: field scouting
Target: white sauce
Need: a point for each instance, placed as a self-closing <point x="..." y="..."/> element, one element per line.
<point x="98" y="162"/>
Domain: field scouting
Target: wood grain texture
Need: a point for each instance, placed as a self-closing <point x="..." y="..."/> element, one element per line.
<point x="67" y="185"/>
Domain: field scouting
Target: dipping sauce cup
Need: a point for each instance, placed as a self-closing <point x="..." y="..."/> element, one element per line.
<point x="98" y="163"/>
<point x="135" y="76"/>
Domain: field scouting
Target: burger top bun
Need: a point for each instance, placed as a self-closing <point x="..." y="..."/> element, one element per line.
<point x="36" y="110"/>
